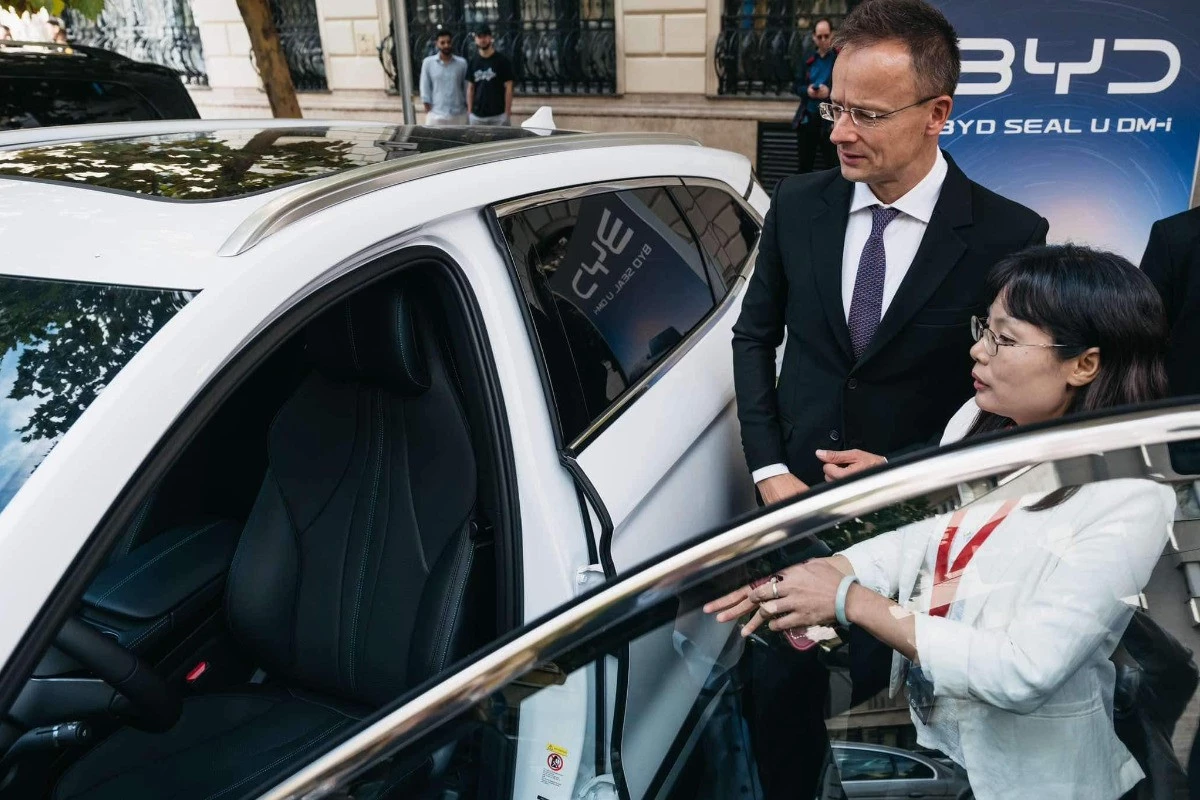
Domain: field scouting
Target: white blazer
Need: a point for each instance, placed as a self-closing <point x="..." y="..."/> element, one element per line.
<point x="1025" y="670"/>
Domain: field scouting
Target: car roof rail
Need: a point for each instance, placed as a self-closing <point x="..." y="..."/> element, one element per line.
<point x="317" y="195"/>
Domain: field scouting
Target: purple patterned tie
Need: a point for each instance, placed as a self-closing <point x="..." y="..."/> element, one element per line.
<point x="866" y="306"/>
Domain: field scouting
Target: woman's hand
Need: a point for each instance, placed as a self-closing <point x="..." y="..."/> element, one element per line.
<point x="806" y="595"/>
<point x="733" y="605"/>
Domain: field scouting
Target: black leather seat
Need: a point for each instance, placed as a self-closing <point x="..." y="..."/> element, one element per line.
<point x="350" y="582"/>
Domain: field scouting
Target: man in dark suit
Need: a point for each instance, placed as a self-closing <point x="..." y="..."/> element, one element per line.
<point x="1172" y="261"/>
<point x="873" y="270"/>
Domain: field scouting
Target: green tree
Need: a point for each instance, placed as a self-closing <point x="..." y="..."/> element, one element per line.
<point x="260" y="24"/>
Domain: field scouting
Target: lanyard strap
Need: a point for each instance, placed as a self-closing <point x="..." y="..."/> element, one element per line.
<point x="943" y="571"/>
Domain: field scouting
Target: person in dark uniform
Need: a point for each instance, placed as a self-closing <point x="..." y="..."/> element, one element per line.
<point x="1172" y="262"/>
<point x="814" y="81"/>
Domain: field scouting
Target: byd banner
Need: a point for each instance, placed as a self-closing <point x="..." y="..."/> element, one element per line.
<point x="1086" y="110"/>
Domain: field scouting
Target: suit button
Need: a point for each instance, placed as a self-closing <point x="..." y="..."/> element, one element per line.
<point x="852" y="383"/>
<point x="833" y="436"/>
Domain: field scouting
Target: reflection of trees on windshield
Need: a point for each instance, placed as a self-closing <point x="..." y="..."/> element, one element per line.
<point x="71" y="340"/>
<point x="196" y="167"/>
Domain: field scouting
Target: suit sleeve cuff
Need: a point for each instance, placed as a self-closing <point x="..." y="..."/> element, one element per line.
<point x="944" y="654"/>
<point x="770" y="471"/>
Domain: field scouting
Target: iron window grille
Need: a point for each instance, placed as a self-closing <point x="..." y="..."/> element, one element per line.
<point x="157" y="31"/>
<point x="556" y="47"/>
<point x="763" y="43"/>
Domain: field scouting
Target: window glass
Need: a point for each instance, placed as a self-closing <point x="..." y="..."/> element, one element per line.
<point x="618" y="279"/>
<point x="1065" y="666"/>
<point x="907" y="768"/>
<point x="727" y="232"/>
<point x="864" y="765"/>
<point x="40" y="102"/>
<point x="60" y="344"/>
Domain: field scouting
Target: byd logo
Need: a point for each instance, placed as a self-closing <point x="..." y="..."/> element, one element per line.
<point x="1002" y="68"/>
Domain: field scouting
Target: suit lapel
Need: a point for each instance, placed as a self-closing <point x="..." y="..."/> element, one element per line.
<point x="827" y="238"/>
<point x="940" y="249"/>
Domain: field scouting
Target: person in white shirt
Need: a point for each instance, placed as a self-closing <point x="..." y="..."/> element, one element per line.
<point x="1003" y="616"/>
<point x="444" y="84"/>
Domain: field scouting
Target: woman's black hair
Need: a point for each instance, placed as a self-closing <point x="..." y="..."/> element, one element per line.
<point x="1087" y="298"/>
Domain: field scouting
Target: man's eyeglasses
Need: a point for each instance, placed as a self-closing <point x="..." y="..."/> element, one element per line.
<point x="860" y="116"/>
<point x="981" y="331"/>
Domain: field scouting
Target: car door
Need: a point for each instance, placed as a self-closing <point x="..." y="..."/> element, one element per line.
<point x="476" y="709"/>
<point x="632" y="290"/>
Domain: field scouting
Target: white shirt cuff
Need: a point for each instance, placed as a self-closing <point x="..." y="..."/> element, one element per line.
<point x="944" y="653"/>
<point x="770" y="471"/>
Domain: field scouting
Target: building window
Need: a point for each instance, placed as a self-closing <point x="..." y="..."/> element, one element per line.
<point x="159" y="31"/>
<point x="763" y="42"/>
<point x="556" y="46"/>
<point x="300" y="38"/>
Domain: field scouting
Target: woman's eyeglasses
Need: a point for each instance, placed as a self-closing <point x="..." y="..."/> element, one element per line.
<point x="981" y="332"/>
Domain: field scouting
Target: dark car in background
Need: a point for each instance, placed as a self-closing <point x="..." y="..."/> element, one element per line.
<point x="44" y="84"/>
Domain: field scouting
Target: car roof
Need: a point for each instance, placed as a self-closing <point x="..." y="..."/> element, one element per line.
<point x="49" y="59"/>
<point x="173" y="243"/>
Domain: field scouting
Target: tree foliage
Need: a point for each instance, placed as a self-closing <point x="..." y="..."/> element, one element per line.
<point x="88" y="8"/>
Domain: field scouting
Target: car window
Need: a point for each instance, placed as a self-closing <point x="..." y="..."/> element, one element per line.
<point x="617" y="279"/>
<point x="1066" y="663"/>
<point x="727" y="231"/>
<point x="864" y="765"/>
<point x="908" y="768"/>
<point x="40" y="102"/>
<point x="60" y="344"/>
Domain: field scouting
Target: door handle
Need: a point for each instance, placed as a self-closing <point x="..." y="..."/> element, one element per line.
<point x="916" y="794"/>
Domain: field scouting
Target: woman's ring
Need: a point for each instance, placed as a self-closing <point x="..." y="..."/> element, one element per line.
<point x="775" y="587"/>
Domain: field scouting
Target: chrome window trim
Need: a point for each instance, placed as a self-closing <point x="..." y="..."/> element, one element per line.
<point x="703" y="328"/>
<point x="317" y="195"/>
<point x="593" y="615"/>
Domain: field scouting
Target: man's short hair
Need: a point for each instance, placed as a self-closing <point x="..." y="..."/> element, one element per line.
<point x="826" y="20"/>
<point x="925" y="31"/>
<point x="443" y="32"/>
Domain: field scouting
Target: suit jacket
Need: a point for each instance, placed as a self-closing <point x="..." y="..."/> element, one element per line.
<point x="1172" y="261"/>
<point x="916" y="371"/>
<point x="1025" y="668"/>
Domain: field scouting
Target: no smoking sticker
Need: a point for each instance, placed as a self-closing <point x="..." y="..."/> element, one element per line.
<point x="555" y="762"/>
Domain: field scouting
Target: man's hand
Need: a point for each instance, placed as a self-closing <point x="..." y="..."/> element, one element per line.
<point x="780" y="488"/>
<point x="812" y="92"/>
<point x="840" y="463"/>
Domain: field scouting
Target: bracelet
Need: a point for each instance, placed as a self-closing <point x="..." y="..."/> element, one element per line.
<point x="839" y="603"/>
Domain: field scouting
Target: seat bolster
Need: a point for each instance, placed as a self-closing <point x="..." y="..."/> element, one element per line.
<point x="223" y="746"/>
<point x="442" y="623"/>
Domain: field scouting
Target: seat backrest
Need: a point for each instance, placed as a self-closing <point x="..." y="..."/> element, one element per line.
<point x="351" y="575"/>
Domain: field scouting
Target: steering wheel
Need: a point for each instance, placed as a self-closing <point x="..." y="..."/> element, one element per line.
<point x="153" y="704"/>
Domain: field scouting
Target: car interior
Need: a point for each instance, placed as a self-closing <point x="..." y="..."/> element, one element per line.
<point x="324" y="544"/>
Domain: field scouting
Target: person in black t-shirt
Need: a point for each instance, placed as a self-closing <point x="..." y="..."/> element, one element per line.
<point x="489" y="83"/>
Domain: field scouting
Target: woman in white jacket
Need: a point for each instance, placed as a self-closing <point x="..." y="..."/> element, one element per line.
<point x="1003" y="615"/>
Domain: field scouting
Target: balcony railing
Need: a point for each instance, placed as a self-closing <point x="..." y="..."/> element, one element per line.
<point x="763" y="43"/>
<point x="556" y="46"/>
<point x="157" y="31"/>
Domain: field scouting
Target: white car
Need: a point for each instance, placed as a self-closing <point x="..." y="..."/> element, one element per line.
<point x="503" y="726"/>
<point x="295" y="414"/>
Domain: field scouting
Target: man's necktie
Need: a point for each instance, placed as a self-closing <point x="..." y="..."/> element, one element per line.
<point x="866" y="306"/>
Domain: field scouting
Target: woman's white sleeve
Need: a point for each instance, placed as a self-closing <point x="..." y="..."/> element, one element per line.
<point x="876" y="562"/>
<point x="1073" y="610"/>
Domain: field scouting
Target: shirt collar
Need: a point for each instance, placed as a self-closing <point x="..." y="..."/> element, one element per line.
<point x="918" y="202"/>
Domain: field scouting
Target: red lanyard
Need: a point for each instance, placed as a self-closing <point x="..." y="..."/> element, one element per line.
<point x="945" y="575"/>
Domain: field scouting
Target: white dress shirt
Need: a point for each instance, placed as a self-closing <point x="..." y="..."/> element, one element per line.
<point x="901" y="239"/>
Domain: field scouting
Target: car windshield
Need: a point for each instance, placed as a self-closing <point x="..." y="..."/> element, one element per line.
<point x="220" y="164"/>
<point x="60" y="344"/>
